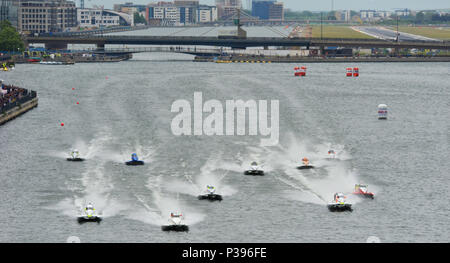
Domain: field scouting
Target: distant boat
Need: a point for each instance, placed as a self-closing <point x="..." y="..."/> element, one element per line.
<point x="34" y="59"/>
<point x="51" y="62"/>
<point x="56" y="63"/>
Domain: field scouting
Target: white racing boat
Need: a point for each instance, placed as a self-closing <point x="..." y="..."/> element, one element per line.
<point x="305" y="164"/>
<point x="75" y="156"/>
<point x="339" y="204"/>
<point x="331" y="154"/>
<point x="210" y="194"/>
<point x="88" y="214"/>
<point x="175" y="223"/>
<point x="255" y="169"/>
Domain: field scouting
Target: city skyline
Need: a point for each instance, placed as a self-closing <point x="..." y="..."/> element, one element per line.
<point x="320" y="5"/>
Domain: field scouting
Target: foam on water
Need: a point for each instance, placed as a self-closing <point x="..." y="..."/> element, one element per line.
<point x="317" y="185"/>
<point x="158" y="211"/>
<point x="195" y="185"/>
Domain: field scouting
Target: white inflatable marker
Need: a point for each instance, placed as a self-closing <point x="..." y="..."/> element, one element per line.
<point x="382" y="112"/>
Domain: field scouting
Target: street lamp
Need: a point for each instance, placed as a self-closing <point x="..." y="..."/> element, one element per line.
<point x="397" y="38"/>
<point x="321" y="25"/>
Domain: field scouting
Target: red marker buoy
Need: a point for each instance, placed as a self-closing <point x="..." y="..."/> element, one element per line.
<point x="303" y="71"/>
<point x="73" y="88"/>
<point x="78" y="103"/>
<point x="62" y="124"/>
<point x="349" y="72"/>
<point x="300" y="71"/>
<point x="355" y="72"/>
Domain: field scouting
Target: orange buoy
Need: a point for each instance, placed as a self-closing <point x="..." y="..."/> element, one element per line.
<point x="355" y="72"/>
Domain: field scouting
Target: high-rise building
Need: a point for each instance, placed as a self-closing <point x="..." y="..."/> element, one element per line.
<point x="172" y="13"/>
<point x="129" y="8"/>
<point x="227" y="8"/>
<point x="367" y="14"/>
<point x="9" y="11"/>
<point x="43" y="16"/>
<point x="345" y="15"/>
<point x="88" y="18"/>
<point x="206" y="14"/>
<point x="267" y="9"/>
<point x="179" y="12"/>
<point x="186" y="2"/>
<point x="403" y="12"/>
<point x="276" y="12"/>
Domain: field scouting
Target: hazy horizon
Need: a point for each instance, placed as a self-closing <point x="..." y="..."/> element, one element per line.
<point x="319" y="5"/>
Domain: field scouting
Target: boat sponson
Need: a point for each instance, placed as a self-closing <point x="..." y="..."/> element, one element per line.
<point x="176" y="228"/>
<point x="75" y="159"/>
<point x="304" y="167"/>
<point x="135" y="163"/>
<point x="84" y="219"/>
<point x="254" y="172"/>
<point x="340" y="207"/>
<point x="210" y="197"/>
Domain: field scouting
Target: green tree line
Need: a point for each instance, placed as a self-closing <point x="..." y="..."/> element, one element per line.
<point x="10" y="39"/>
<point x="139" y="19"/>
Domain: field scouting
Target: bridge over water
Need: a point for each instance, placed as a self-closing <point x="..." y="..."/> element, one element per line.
<point x="61" y="42"/>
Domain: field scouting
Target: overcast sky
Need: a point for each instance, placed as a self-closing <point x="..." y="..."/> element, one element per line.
<point x="317" y="5"/>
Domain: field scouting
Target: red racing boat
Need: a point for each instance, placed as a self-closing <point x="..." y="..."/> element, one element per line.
<point x="361" y="190"/>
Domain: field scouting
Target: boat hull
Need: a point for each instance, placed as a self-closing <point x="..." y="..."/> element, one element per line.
<point x="175" y="228"/>
<point x="340" y="207"/>
<point x="305" y="167"/>
<point x="365" y="195"/>
<point x="75" y="159"/>
<point x="210" y="197"/>
<point x="254" y="172"/>
<point x="134" y="163"/>
<point x="85" y="219"/>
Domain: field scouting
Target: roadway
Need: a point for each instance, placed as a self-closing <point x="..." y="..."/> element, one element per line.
<point x="388" y="34"/>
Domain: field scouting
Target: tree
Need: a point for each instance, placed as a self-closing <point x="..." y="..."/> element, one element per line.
<point x="420" y="17"/>
<point x="9" y="38"/>
<point x="139" y="19"/>
<point x="331" y="15"/>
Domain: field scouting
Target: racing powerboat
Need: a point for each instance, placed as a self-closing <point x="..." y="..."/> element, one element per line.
<point x="89" y="215"/>
<point x="331" y="154"/>
<point x="254" y="169"/>
<point x="361" y="190"/>
<point x="339" y="204"/>
<point x="305" y="164"/>
<point x="134" y="160"/>
<point x="175" y="223"/>
<point x="75" y="156"/>
<point x="210" y="194"/>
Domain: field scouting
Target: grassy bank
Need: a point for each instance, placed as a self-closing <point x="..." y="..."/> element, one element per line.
<point x="337" y="32"/>
<point x="431" y="32"/>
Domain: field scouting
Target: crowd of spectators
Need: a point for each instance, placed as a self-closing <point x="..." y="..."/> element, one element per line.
<point x="11" y="95"/>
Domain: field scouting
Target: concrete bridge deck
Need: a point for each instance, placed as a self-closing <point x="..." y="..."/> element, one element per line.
<point x="101" y="41"/>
